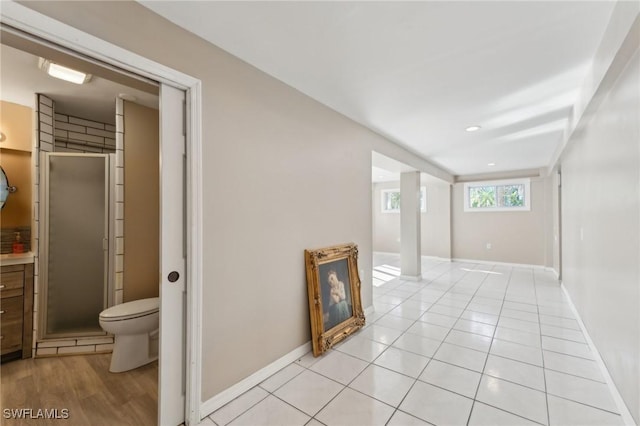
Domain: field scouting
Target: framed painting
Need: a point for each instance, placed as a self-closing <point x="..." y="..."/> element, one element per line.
<point x="333" y="285"/>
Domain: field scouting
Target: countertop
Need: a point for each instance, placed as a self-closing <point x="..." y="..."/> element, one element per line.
<point x="16" y="258"/>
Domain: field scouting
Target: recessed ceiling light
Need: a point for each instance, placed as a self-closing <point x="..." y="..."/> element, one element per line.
<point x="64" y="73"/>
<point x="473" y="128"/>
<point x="491" y="164"/>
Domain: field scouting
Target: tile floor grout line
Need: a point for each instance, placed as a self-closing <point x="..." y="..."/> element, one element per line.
<point x="509" y="412"/>
<point x="252" y="405"/>
<point x="273" y="393"/>
<point x="449" y="289"/>
<point x="544" y="374"/>
<point x="396" y="408"/>
<point x="566" y="354"/>
<point x="586" y="405"/>
<point x="286" y="402"/>
<point x="410" y="415"/>
<point x="371" y="363"/>
<point x="303" y="368"/>
<point x="512" y="382"/>
<point x="438" y="348"/>
<point x="291" y="405"/>
<point x="547" y="335"/>
<point x="574" y="375"/>
<point x="475" y="396"/>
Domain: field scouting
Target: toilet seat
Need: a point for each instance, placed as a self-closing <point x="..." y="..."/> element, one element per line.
<point x="131" y="310"/>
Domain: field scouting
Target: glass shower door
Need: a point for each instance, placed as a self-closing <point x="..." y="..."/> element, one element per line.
<point x="76" y="198"/>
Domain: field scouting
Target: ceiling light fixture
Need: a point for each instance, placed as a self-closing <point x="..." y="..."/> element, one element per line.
<point x="64" y="73"/>
<point x="491" y="164"/>
<point x="473" y="128"/>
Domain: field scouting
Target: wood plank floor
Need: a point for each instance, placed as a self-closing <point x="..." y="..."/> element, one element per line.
<point x="83" y="385"/>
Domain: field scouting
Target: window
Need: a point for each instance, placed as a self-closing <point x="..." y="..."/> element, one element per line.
<point x="508" y="195"/>
<point x="391" y="200"/>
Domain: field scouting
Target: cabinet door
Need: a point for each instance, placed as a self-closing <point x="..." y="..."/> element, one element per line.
<point x="11" y="320"/>
<point x="11" y="284"/>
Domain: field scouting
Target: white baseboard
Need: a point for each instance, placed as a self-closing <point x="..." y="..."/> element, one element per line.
<point x="258" y="377"/>
<point x="441" y="259"/>
<point x="410" y="277"/>
<point x="228" y="395"/>
<point x="385" y="253"/>
<point x="627" y="418"/>
<point x="491" y="262"/>
<point x="553" y="271"/>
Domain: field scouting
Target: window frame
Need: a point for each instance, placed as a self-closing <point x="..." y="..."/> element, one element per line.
<point x="423" y="200"/>
<point x="495" y="183"/>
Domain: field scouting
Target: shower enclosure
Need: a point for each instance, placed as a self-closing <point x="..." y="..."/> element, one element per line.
<point x="77" y="250"/>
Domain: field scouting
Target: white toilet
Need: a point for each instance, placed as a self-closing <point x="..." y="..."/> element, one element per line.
<point x="135" y="327"/>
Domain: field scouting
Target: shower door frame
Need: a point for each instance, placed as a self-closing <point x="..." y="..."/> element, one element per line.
<point x="109" y="259"/>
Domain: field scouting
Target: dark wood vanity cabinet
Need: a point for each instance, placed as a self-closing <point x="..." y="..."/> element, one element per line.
<point x="16" y="311"/>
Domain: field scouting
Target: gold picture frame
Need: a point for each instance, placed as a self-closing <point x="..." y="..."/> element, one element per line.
<point x="333" y="285"/>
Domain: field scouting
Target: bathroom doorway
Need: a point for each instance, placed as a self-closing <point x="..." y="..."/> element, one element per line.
<point x="73" y="156"/>
<point x="180" y="263"/>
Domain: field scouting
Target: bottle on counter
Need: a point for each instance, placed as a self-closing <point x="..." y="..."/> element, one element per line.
<point x="18" y="245"/>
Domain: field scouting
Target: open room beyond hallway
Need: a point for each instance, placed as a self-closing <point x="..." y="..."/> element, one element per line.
<point x="470" y="344"/>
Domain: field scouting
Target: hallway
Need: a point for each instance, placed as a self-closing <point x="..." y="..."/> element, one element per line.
<point x="471" y="344"/>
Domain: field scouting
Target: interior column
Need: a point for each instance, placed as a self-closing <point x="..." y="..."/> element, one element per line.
<point x="410" y="266"/>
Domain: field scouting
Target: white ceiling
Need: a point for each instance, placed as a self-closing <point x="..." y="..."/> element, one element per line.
<point x="21" y="79"/>
<point x="385" y="169"/>
<point x="419" y="73"/>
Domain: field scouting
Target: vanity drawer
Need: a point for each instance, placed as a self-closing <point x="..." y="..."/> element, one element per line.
<point x="11" y="316"/>
<point x="11" y="284"/>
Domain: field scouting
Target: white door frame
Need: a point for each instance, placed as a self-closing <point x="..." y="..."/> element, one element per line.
<point x="37" y="24"/>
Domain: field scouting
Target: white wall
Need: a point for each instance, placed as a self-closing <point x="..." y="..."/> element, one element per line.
<point x="282" y="174"/>
<point x="386" y="226"/>
<point x="601" y="227"/>
<point x="435" y="222"/>
<point x="556" y="222"/>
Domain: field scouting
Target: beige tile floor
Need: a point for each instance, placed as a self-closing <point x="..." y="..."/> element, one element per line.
<point x="470" y="344"/>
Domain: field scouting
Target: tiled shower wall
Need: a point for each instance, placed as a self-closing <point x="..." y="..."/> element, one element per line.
<point x="74" y="135"/>
<point x="43" y="143"/>
<point x="119" y="231"/>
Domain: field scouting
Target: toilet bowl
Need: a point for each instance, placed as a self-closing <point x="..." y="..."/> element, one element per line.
<point x="134" y="325"/>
